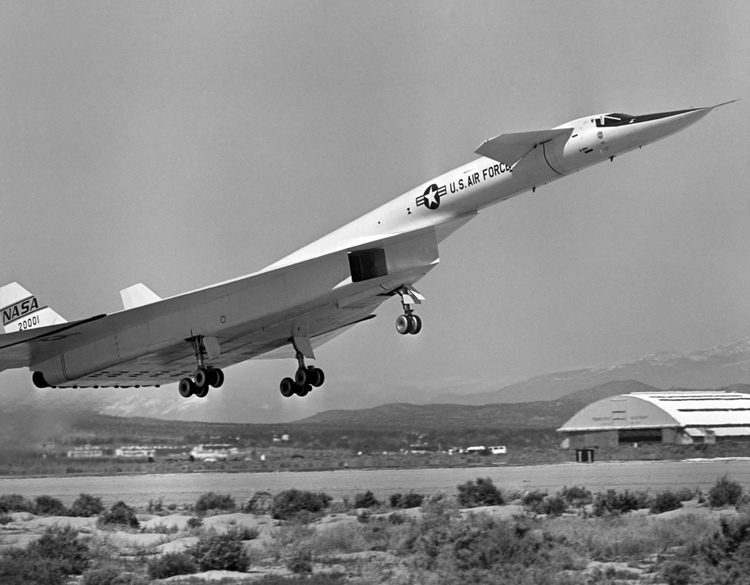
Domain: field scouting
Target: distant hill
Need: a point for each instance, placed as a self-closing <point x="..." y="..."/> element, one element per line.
<point x="543" y="414"/>
<point x="713" y="367"/>
<point x="539" y="414"/>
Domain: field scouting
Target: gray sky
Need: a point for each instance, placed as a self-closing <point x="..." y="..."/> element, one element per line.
<point x="183" y="143"/>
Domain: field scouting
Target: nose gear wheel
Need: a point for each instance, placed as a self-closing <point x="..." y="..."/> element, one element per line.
<point x="409" y="323"/>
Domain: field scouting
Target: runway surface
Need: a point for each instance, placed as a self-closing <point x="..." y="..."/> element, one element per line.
<point x="186" y="488"/>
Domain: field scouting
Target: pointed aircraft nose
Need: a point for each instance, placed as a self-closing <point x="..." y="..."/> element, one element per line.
<point x="651" y="127"/>
<point x="645" y="129"/>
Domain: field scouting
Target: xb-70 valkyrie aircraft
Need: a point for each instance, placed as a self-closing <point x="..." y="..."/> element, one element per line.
<point x="316" y="293"/>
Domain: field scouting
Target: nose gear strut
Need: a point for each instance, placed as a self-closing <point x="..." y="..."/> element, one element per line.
<point x="205" y="376"/>
<point x="409" y="323"/>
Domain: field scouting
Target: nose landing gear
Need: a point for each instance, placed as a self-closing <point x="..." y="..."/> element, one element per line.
<point x="205" y="377"/>
<point x="409" y="323"/>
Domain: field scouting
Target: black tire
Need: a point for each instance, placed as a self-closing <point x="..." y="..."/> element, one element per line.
<point x="287" y="387"/>
<point x="215" y="377"/>
<point x="315" y="376"/>
<point x="303" y="391"/>
<point x="402" y="324"/>
<point x="415" y="324"/>
<point x="186" y="387"/>
<point x="201" y="377"/>
<point x="300" y="377"/>
<point x="201" y="392"/>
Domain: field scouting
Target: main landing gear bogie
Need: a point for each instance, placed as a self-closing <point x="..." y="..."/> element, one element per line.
<point x="203" y="379"/>
<point x="305" y="379"/>
<point x="205" y="376"/>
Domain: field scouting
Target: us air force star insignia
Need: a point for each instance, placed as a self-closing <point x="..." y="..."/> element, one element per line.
<point x="431" y="197"/>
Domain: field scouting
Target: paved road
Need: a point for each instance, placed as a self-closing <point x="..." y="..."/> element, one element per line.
<point x="186" y="488"/>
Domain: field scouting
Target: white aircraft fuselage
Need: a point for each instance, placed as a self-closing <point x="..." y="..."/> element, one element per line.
<point x="318" y="291"/>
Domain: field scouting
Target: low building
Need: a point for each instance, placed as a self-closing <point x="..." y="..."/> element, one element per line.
<point x="86" y="452"/>
<point x="135" y="452"/>
<point x="214" y="452"/>
<point x="677" y="417"/>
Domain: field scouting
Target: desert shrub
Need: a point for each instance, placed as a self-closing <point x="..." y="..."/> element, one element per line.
<point x="259" y="503"/>
<point x="481" y="549"/>
<point x="300" y="562"/>
<point x="480" y="493"/>
<point x="612" y="502"/>
<point x="725" y="492"/>
<point x="61" y="546"/>
<point x="87" y="506"/>
<point x="221" y="552"/>
<point x="113" y="576"/>
<point x="665" y="502"/>
<point x="49" y="506"/>
<point x="155" y="506"/>
<point x="410" y="500"/>
<point x="686" y="494"/>
<point x="364" y="516"/>
<point x="577" y="497"/>
<point x="366" y="500"/>
<point x="171" y="564"/>
<point x="120" y="514"/>
<point x="15" y="503"/>
<point x="19" y="567"/>
<point x="291" y="503"/>
<point x="676" y="573"/>
<point x="244" y="532"/>
<point x="532" y="501"/>
<point x="314" y="579"/>
<point x="214" y="501"/>
<point x="194" y="522"/>
<point x="554" y="505"/>
<point x="733" y="536"/>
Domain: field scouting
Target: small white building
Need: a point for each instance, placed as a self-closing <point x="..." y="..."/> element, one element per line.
<point x="135" y="452"/>
<point x="86" y="452"/>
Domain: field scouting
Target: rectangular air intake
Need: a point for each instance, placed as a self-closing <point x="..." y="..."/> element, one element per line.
<point x="367" y="264"/>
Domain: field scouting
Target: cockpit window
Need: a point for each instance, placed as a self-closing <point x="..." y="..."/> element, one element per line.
<point x="609" y="120"/>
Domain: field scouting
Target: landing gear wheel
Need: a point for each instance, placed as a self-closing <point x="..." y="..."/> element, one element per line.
<point x="201" y="377"/>
<point x="202" y="392"/>
<point x="300" y="378"/>
<point x="215" y="377"/>
<point x="186" y="387"/>
<point x="303" y="390"/>
<point x="402" y="324"/>
<point x="287" y="387"/>
<point x="415" y="324"/>
<point x="315" y="376"/>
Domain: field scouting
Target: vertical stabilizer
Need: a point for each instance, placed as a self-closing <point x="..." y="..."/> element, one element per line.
<point x="21" y="310"/>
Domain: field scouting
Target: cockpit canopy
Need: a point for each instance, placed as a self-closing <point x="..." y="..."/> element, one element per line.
<point x="609" y="120"/>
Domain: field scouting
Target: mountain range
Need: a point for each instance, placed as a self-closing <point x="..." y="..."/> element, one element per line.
<point x="541" y="414"/>
<point x="715" y="367"/>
